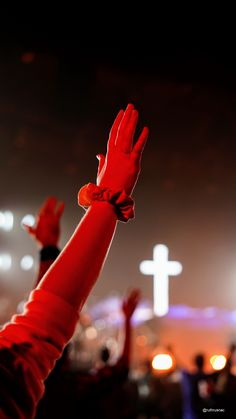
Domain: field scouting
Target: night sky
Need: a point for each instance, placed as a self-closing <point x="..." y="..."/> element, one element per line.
<point x="58" y="98"/>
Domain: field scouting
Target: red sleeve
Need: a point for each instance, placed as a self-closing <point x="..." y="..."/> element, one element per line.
<point x="29" y="348"/>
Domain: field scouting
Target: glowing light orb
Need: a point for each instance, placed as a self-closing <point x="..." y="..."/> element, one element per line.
<point x="6" y="220"/>
<point x="218" y="362"/>
<point x="162" y="362"/>
<point x="5" y="261"/>
<point x="28" y="220"/>
<point x="91" y="333"/>
<point x="27" y="262"/>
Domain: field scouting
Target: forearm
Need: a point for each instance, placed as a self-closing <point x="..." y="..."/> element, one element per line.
<point x="47" y="255"/>
<point x="43" y="268"/>
<point x="77" y="267"/>
<point x="127" y="343"/>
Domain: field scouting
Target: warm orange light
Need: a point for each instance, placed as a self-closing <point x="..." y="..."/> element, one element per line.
<point x="162" y="362"/>
<point x="218" y="362"/>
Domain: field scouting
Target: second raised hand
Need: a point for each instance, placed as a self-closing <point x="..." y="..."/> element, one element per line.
<point x="47" y="229"/>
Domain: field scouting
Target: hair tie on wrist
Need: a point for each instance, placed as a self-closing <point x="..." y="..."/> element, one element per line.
<point x="123" y="203"/>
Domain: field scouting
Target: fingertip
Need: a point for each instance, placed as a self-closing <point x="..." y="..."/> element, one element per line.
<point x="120" y="115"/>
<point x="134" y="116"/>
<point x="145" y="133"/>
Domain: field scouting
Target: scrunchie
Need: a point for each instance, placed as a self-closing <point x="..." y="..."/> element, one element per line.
<point x="123" y="203"/>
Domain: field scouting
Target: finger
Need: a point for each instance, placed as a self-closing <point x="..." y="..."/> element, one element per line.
<point x="140" y="144"/>
<point x="126" y="117"/>
<point x="114" y="128"/>
<point x="49" y="205"/>
<point x="101" y="160"/>
<point x="129" y="130"/>
<point x="60" y="209"/>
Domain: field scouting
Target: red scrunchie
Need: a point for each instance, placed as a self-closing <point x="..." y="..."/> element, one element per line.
<point x="124" y="204"/>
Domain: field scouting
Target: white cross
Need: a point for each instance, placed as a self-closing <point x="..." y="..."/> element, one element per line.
<point x="160" y="268"/>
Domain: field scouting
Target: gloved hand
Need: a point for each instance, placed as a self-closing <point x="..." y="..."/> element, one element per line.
<point x="119" y="169"/>
<point x="47" y="229"/>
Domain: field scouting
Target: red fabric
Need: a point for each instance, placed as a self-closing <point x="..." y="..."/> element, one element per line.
<point x="124" y="204"/>
<point x="29" y="348"/>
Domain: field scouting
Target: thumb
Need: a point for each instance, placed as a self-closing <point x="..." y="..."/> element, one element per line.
<point x="101" y="159"/>
<point x="31" y="230"/>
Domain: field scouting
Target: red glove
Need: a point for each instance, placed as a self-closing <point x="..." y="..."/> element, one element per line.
<point x="130" y="303"/>
<point x="47" y="229"/>
<point x="119" y="169"/>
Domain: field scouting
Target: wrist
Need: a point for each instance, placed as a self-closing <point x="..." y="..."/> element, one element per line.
<point x="127" y="320"/>
<point x="49" y="253"/>
<point x="122" y="203"/>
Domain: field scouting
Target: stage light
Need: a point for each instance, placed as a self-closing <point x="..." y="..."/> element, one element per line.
<point x="26" y="262"/>
<point x="160" y="267"/>
<point x="162" y="362"/>
<point x="6" y="220"/>
<point x="5" y="261"/>
<point x="28" y="220"/>
<point x="91" y="333"/>
<point x="218" y="362"/>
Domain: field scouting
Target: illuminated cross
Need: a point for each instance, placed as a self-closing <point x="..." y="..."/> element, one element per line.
<point x="160" y="267"/>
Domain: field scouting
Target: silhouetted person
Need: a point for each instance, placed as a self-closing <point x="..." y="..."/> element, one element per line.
<point x="107" y="390"/>
<point x="225" y="385"/>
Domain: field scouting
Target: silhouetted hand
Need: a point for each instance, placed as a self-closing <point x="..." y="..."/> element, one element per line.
<point x="130" y="303"/>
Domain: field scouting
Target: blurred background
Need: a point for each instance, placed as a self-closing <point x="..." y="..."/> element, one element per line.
<point x="58" y="99"/>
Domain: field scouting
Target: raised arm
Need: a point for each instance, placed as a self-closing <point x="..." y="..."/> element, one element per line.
<point x="32" y="342"/>
<point x="74" y="273"/>
<point x="46" y="233"/>
<point x="128" y="307"/>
